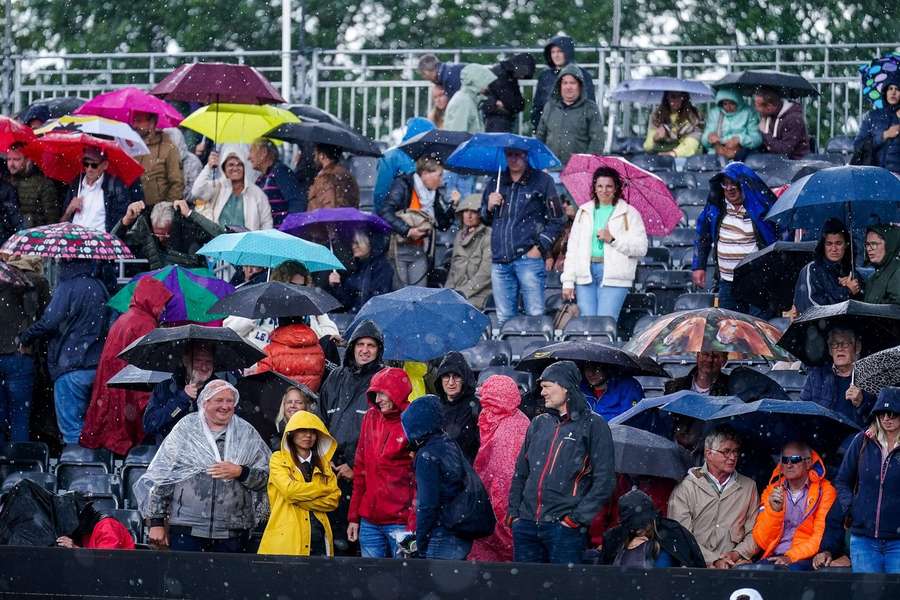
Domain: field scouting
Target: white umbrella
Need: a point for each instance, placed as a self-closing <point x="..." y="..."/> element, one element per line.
<point x="651" y="89"/>
<point x="117" y="131"/>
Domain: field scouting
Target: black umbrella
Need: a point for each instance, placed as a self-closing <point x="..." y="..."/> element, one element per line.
<point x="162" y="348"/>
<point x="786" y="84"/>
<point x="52" y="108"/>
<point x="655" y="414"/>
<point x="766" y="278"/>
<point x="325" y="133"/>
<point x="639" y="452"/>
<point x="275" y="299"/>
<point x="133" y="378"/>
<point x="618" y="361"/>
<point x="877" y="325"/>
<point x="312" y="114"/>
<point x="261" y="399"/>
<point x="878" y="371"/>
<point x="437" y="144"/>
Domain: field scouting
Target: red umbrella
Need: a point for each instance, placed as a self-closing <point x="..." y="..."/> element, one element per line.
<point x="123" y="103"/>
<point x="217" y="82"/>
<point x="59" y="156"/>
<point x="643" y="190"/>
<point x="13" y="132"/>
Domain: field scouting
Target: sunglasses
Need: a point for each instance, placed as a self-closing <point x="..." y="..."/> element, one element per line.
<point x="889" y="414"/>
<point x="729" y="186"/>
<point x="89" y="164"/>
<point x="794" y="459"/>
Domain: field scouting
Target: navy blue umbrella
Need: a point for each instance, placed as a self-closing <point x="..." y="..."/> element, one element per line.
<point x="655" y="414"/>
<point x="639" y="452"/>
<point x="485" y="154"/>
<point x="421" y="323"/>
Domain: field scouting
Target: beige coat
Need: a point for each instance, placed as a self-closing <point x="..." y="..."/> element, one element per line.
<point x="162" y="179"/>
<point x="470" y="268"/>
<point x="719" y="523"/>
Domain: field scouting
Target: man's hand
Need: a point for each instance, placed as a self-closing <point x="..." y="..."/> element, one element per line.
<point x="416" y="233"/>
<point x="352" y="532"/>
<point x="535" y="252"/>
<point x="334" y="278"/>
<point x="213" y="160"/>
<point x="191" y="390"/>
<point x="76" y="205"/>
<point x="65" y="541"/>
<point x="455" y="197"/>
<point x="854" y="395"/>
<point x="344" y="471"/>
<point x="698" y="276"/>
<point x="158" y="538"/>
<point x="714" y="139"/>
<point x="494" y="200"/>
<point x="133" y="211"/>
<point x="776" y="499"/>
<point x="182" y="207"/>
<point x="224" y="470"/>
<point x="822" y="559"/>
<point x="782" y="561"/>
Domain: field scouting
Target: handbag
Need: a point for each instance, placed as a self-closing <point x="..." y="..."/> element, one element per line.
<point x="470" y="515"/>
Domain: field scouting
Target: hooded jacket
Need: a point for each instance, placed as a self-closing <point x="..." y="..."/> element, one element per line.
<point x="470" y="266"/>
<point x="785" y="133"/>
<point x="547" y="81"/>
<point x="38" y="197"/>
<point x="682" y="134"/>
<point x="460" y="417"/>
<point x="343" y="401"/>
<point x="874" y="124"/>
<point x="396" y="162"/>
<point x="569" y="129"/>
<point x="818" y="284"/>
<point x="565" y="467"/>
<point x="114" y="418"/>
<point x="294" y="351"/>
<point x="383" y="484"/>
<point x="769" y="525"/>
<point x="743" y="123"/>
<point x="162" y="179"/>
<point x="621" y="394"/>
<point x="883" y="287"/>
<point x="367" y="277"/>
<point x="462" y="111"/>
<point x="505" y="89"/>
<point x="758" y="199"/>
<point x="22" y="306"/>
<point x="293" y="501"/>
<point x="212" y="194"/>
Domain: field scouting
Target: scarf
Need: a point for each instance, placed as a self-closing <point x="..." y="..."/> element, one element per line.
<point x="426" y="196"/>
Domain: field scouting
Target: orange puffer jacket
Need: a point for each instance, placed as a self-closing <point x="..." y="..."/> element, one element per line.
<point x="770" y="524"/>
<point x="294" y="352"/>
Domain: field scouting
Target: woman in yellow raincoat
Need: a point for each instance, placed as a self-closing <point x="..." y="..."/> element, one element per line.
<point x="302" y="490"/>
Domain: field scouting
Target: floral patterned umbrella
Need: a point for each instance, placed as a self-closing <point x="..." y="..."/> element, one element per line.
<point x="67" y="241"/>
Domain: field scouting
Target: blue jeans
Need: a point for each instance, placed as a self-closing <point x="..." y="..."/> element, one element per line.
<point x="443" y="545"/>
<point x="377" y="541"/>
<point x="72" y="392"/>
<point x="16" y="385"/>
<point x="180" y="538"/>
<point x="598" y="300"/>
<point x="547" y="542"/>
<point x="870" y="555"/>
<point x="525" y="275"/>
<point x="454" y="181"/>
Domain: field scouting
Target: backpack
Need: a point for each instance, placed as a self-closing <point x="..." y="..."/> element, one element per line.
<point x="470" y="515"/>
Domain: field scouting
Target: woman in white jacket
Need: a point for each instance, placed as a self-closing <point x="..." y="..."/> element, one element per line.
<point x="233" y="200"/>
<point x="607" y="239"/>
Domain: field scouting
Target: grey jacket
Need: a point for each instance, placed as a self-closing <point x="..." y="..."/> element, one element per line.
<point x="571" y="129"/>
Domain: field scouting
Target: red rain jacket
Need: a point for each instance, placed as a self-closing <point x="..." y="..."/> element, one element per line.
<point x="294" y="351"/>
<point x="109" y="534"/>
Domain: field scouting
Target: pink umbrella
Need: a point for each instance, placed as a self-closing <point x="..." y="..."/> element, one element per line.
<point x="643" y="190"/>
<point x="123" y="103"/>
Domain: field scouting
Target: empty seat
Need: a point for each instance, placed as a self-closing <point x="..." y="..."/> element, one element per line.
<point x="653" y="386"/>
<point x="75" y="454"/>
<point x="636" y="306"/>
<point x="680" y="236"/>
<point x="657" y="256"/>
<point x="628" y="146"/>
<point x="45" y="480"/>
<point x="842" y="145"/>
<point x="653" y="162"/>
<point x="691" y="197"/>
<point x="682" y="257"/>
<point x="67" y="473"/>
<point x="677" y="180"/>
<point x="791" y="381"/>
<point x="8" y="466"/>
<point x="132" y="520"/>
<point x="141" y="455"/>
<point x="703" y="162"/>
<point x="91" y="483"/>
<point x="591" y="329"/>
<point x="667" y="286"/>
<point x="488" y="353"/>
<point x="37" y="452"/>
<point x="691" y="214"/>
<point x="524" y="325"/>
<point x="694" y="301"/>
<point x="524" y="345"/>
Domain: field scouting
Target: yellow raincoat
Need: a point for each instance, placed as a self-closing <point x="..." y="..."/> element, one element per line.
<point x="293" y="501"/>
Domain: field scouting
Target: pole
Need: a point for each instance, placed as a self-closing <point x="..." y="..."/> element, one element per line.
<point x="7" y="103"/>
<point x="617" y="23"/>
<point x="614" y="73"/>
<point x="286" y="49"/>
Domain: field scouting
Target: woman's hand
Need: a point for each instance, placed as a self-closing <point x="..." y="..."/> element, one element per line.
<point x="65" y="541"/>
<point x="158" y="537"/>
<point x="850" y="283"/>
<point x="605" y="235"/>
<point x="334" y="278"/>
<point x="568" y="294"/>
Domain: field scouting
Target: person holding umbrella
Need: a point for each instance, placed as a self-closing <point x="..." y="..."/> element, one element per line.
<point x="883" y="251"/>
<point x="830" y="278"/>
<point x="96" y="199"/>
<point x="675" y="127"/>
<point x="732" y="127"/>
<point x="334" y="185"/>
<point x="782" y="124"/>
<point x="232" y="201"/>
<point x="275" y="180"/>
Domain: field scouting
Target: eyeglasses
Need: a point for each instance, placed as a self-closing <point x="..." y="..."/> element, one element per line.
<point x="794" y="459"/>
<point x="873" y="245"/>
<point x="89" y="164"/>
<point x="731" y="453"/>
<point x="452" y="376"/>
<point x="840" y="345"/>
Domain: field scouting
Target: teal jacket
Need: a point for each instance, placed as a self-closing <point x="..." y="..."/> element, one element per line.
<point x="744" y="122"/>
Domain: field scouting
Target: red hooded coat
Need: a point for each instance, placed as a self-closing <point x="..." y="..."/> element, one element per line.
<point x="114" y="418"/>
<point x="294" y="351"/>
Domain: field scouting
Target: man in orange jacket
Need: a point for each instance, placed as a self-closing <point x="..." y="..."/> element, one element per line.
<point x="791" y="520"/>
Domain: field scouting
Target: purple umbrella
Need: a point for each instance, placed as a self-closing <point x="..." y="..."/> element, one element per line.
<point x="194" y="291"/>
<point x="326" y="223"/>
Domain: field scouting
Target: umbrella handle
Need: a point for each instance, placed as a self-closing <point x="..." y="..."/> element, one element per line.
<point x="497" y="191"/>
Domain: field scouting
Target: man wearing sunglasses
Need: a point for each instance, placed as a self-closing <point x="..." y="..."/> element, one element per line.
<point x="791" y="520"/>
<point x="95" y="200"/>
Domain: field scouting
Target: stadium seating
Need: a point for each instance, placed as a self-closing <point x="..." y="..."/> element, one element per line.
<point x="653" y="162"/>
<point x="132" y="520"/>
<point x="636" y="307"/>
<point x="591" y="329"/>
<point x="694" y="301"/>
<point x="657" y="257"/>
<point x="703" y="163"/>
<point x="36" y="452"/>
<point x="677" y="180"/>
<point x="525" y="333"/>
<point x="488" y="353"/>
<point x="45" y="480"/>
<point x="667" y="286"/>
<point x="691" y="197"/>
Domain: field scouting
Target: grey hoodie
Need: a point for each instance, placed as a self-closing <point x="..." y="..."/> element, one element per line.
<point x="569" y="129"/>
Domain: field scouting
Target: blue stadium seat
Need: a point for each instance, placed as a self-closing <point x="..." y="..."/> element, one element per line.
<point x="591" y="329"/>
<point x="653" y="162"/>
<point x="45" y="480"/>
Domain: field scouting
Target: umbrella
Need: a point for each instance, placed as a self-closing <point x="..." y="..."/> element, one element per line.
<point x="646" y="192"/>
<point x="877" y="326"/>
<point x="12" y="276"/>
<point x="162" y="348"/>
<point x="327" y="223"/>
<point x="207" y="83"/>
<point x="194" y="291"/>
<point x="237" y="123"/>
<point x="12" y="132"/>
<point x="654" y="414"/>
<point x="276" y="299"/>
<point x="437" y="143"/>
<point x="51" y="108"/>
<point x="767" y="277"/>
<point x="324" y="133"/>
<point x="119" y="132"/>
<point x="121" y="105"/>
<point x="709" y="330"/>
<point x="269" y="248"/>
<point x="59" y="156"/>
<point x="877" y="371"/>
<point x="773" y="423"/>
<point x="615" y="359"/>
<point x="639" y="452"/>
<point x="874" y="74"/>
<point x="309" y="113"/>
<point x="485" y="154"/>
<point x="261" y="399"/>
<point x="650" y="90"/>
<point x="787" y="85"/>
<point x="66" y="241"/>
<point x="139" y="380"/>
<point x="423" y="323"/>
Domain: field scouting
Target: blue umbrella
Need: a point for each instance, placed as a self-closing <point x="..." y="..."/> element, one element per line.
<point x="269" y="248"/>
<point x="654" y="414"/>
<point x="423" y="323"/>
<point x="484" y="154"/>
<point x="650" y="90"/>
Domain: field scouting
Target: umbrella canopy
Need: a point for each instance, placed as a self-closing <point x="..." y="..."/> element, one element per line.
<point x="786" y="84"/>
<point x="162" y="348"/>
<point x="616" y="360"/>
<point x="327" y="223"/>
<point x="139" y="380"/>
<point x="850" y="193"/>
<point x="655" y="414"/>
<point x="438" y="144"/>
<point x="261" y="395"/>
<point x="59" y="156"/>
<point x="423" y="323"/>
<point x="67" y="241"/>
<point x="650" y="90"/>
<point x="51" y="108"/>
<point x="646" y="192"/>
<point x="13" y="132"/>
<point x="325" y="133"/>
<point x="121" y="105"/>
<point x="485" y="154"/>
<point x="269" y="248"/>
<point x="878" y="371"/>
<point x="767" y="277"/>
<point x="12" y="276"/>
<point x="217" y="82"/>
<point x="236" y="123"/>
<point x="308" y="113"/>
<point x="639" y="452"/>
<point x="709" y="330"/>
<point x="877" y="326"/>
<point x="119" y="132"/>
<point x="194" y="291"/>
<point x="276" y="299"/>
<point x="875" y="74"/>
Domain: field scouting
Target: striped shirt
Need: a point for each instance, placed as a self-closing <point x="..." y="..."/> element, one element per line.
<point x="736" y="240"/>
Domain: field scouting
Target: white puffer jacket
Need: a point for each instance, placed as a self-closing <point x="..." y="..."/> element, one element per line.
<point x="620" y="257"/>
